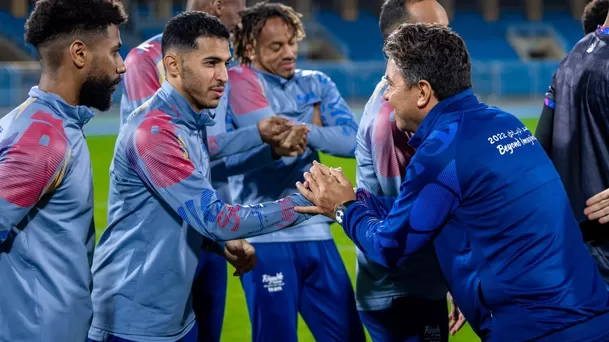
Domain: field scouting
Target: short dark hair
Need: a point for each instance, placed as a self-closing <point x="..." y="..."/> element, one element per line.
<point x="394" y="13"/>
<point x="433" y="53"/>
<point x="56" y="19"/>
<point x="254" y="18"/>
<point x="595" y="14"/>
<point x="183" y="30"/>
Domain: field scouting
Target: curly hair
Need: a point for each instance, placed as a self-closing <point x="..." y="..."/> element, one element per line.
<point x="254" y="18"/>
<point x="55" y="19"/>
<point x="183" y="30"/>
<point x="433" y="53"/>
<point x="594" y="15"/>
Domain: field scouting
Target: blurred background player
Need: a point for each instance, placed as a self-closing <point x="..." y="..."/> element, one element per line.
<point x="299" y="270"/>
<point x="47" y="232"/>
<point x="573" y="128"/>
<point x="595" y="14"/>
<point x="162" y="205"/>
<point x="397" y="304"/>
<point x="476" y="169"/>
<point x="144" y="77"/>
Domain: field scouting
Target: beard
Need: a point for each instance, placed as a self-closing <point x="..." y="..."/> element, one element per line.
<point x="195" y="89"/>
<point x="97" y="91"/>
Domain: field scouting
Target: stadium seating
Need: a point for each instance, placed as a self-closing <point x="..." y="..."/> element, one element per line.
<point x="497" y="68"/>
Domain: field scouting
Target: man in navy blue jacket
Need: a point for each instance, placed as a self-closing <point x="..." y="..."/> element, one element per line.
<point x="478" y="182"/>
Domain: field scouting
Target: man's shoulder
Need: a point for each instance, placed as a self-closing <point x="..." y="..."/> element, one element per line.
<point x="590" y="46"/>
<point x="29" y="112"/>
<point x="241" y="70"/>
<point x="147" y="50"/>
<point x="315" y="76"/>
<point x="241" y="76"/>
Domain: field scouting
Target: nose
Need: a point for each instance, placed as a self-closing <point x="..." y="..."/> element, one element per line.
<point x="222" y="75"/>
<point x="386" y="94"/>
<point x="121" y="68"/>
<point x="291" y="54"/>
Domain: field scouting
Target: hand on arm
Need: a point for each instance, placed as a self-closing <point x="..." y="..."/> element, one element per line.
<point x="597" y="207"/>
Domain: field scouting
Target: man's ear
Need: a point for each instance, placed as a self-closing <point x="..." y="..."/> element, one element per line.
<point x="218" y="6"/>
<point x="172" y="65"/>
<point x="249" y="52"/>
<point x="425" y="93"/>
<point x="79" y="53"/>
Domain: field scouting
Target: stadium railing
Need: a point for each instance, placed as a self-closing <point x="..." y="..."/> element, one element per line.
<point x="355" y="80"/>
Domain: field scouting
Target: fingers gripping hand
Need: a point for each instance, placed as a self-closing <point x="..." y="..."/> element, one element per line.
<point x="295" y="143"/>
<point x="327" y="188"/>
<point x="274" y="129"/>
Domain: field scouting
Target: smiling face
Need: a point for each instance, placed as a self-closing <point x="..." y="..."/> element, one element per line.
<point x="403" y="99"/>
<point x="276" y="48"/>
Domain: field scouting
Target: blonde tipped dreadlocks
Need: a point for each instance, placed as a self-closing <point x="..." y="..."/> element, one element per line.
<point x="254" y="18"/>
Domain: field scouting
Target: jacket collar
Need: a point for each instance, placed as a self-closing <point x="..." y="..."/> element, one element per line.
<point x="77" y="114"/>
<point x="182" y="110"/>
<point x="463" y="100"/>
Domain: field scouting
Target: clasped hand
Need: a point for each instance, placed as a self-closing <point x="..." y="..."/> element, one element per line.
<point x="285" y="138"/>
<point x="326" y="188"/>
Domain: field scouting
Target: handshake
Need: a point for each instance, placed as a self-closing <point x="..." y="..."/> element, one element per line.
<point x="285" y="138"/>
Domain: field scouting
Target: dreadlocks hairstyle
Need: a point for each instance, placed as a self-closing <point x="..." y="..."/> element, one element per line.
<point x="254" y="18"/>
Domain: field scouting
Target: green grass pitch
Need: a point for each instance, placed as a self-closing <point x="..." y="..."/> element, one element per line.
<point x="236" y="323"/>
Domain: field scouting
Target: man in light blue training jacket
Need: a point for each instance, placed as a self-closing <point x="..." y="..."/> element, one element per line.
<point x="162" y="206"/>
<point x="47" y="232"/>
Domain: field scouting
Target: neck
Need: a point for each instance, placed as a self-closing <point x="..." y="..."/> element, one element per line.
<point x="259" y="66"/>
<point x="60" y="86"/>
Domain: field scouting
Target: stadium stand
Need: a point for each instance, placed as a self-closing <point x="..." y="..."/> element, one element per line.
<point x="349" y="50"/>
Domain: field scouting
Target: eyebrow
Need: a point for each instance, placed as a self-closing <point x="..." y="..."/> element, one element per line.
<point x="215" y="59"/>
